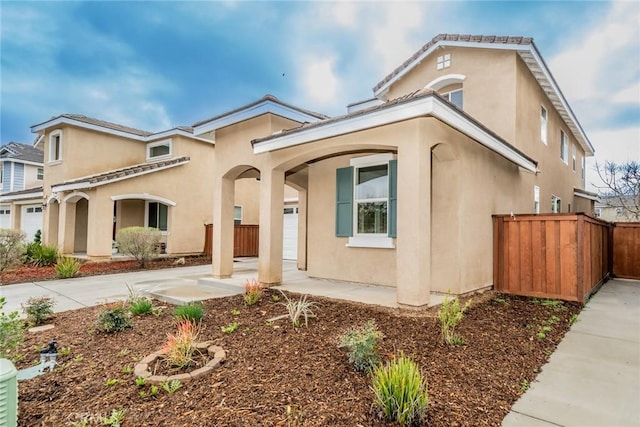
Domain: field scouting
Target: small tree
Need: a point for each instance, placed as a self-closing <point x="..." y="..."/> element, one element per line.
<point x="621" y="182"/>
<point x="143" y="243"/>
<point x="11" y="248"/>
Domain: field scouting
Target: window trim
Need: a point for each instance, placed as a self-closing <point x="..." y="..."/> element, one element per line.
<point x="146" y="215"/>
<point x="239" y="220"/>
<point x="544" y="125"/>
<point x="369" y="240"/>
<point x="56" y="133"/>
<point x="39" y="175"/>
<point x="574" y="153"/>
<point x="447" y="96"/>
<point x="151" y="145"/>
<point x="536" y="199"/>
<point x="556" y="202"/>
<point x="443" y="61"/>
<point x="564" y="148"/>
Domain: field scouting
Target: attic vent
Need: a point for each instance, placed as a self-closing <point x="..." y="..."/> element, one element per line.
<point x="443" y="61"/>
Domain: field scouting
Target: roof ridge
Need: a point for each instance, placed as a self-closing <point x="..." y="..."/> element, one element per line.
<point x="478" y="38"/>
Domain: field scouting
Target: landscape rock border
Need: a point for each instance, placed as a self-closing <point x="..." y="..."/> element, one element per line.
<point x="141" y="370"/>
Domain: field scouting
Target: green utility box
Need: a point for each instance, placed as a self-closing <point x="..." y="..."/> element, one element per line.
<point x="8" y="394"/>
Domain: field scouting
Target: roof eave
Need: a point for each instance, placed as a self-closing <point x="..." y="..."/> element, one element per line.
<point x="251" y="111"/>
<point x="423" y="106"/>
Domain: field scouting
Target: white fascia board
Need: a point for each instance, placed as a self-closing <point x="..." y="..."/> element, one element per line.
<point x="25" y="162"/>
<point x="174" y="132"/>
<point x="39" y="140"/>
<point x="264" y="107"/>
<point x="586" y="196"/>
<point x="565" y="105"/>
<point x="27" y="196"/>
<point x="144" y="196"/>
<point x="69" y="121"/>
<point x="448" y="115"/>
<point x="87" y="184"/>
<point x="375" y="118"/>
<point x="418" y="108"/>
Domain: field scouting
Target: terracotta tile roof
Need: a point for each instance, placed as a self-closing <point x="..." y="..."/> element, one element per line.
<point x="15" y="150"/>
<point x="106" y="124"/>
<point x="34" y="190"/>
<point x="252" y="104"/>
<point x="123" y="173"/>
<point x="453" y="38"/>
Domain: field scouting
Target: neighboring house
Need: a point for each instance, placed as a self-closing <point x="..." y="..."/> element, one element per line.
<point x="21" y="177"/>
<point x="618" y="208"/>
<point x="400" y="191"/>
<point x="100" y="177"/>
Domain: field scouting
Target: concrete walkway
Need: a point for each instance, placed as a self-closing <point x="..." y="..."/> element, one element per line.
<point x="184" y="284"/>
<point x="593" y="378"/>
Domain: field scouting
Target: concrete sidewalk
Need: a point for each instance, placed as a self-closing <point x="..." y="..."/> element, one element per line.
<point x="593" y="378"/>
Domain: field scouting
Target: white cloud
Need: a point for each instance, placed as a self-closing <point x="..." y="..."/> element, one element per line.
<point x="604" y="59"/>
<point x="628" y="95"/>
<point x="318" y="79"/>
<point x="618" y="146"/>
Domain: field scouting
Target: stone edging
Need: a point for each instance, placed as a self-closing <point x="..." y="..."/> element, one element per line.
<point x="141" y="370"/>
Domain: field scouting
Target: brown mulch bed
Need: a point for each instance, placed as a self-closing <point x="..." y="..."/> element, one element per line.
<point x="29" y="273"/>
<point x="279" y="375"/>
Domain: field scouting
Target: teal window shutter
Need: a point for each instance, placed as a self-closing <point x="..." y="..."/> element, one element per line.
<point x="393" y="197"/>
<point x="344" y="202"/>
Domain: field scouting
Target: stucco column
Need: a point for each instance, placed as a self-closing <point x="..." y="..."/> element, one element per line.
<point x="99" y="226"/>
<point x="271" y="218"/>
<point x="67" y="231"/>
<point x="413" y="243"/>
<point x="223" y="192"/>
<point x="302" y="229"/>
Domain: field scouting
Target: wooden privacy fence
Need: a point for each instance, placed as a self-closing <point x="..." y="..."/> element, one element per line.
<point x="626" y="250"/>
<point x="245" y="240"/>
<point x="560" y="256"/>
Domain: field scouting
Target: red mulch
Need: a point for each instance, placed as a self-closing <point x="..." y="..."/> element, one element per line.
<point x="30" y="273"/>
<point x="279" y="375"/>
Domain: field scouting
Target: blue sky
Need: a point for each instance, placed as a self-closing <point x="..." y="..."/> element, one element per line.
<point x="155" y="65"/>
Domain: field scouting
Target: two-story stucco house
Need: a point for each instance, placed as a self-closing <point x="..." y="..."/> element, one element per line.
<point x="21" y="177"/>
<point x="400" y="190"/>
<point x="100" y="177"/>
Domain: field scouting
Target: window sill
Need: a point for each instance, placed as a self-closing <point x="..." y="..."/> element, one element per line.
<point x="382" y="242"/>
<point x="54" y="162"/>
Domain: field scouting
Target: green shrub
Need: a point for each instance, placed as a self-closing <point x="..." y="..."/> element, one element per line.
<point x="362" y="345"/>
<point x="194" y="311"/>
<point x="143" y="243"/>
<point x="11" y="330"/>
<point x="401" y="394"/>
<point x="141" y="306"/>
<point x="112" y="320"/>
<point x="450" y="315"/>
<point x="11" y="248"/>
<point x="67" y="267"/>
<point x="41" y="255"/>
<point x="38" y="309"/>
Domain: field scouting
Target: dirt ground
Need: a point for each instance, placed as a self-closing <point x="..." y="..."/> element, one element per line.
<point x="278" y="375"/>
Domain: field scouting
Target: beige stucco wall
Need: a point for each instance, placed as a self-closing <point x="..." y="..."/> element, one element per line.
<point x="31" y="176"/>
<point x="489" y="86"/>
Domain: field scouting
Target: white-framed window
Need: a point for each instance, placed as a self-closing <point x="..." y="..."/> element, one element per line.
<point x="598" y="212"/>
<point x="455" y="97"/>
<point x="5" y="211"/>
<point x="556" y="204"/>
<point x="543" y="125"/>
<point x="1" y="172"/>
<point x="573" y="157"/>
<point x="618" y="212"/>
<point x="55" y="146"/>
<point x="584" y="167"/>
<point x="371" y="201"/>
<point x="536" y="199"/>
<point x="443" y="61"/>
<point x="237" y="215"/>
<point x="40" y="174"/>
<point x="34" y="209"/>
<point x="564" y="147"/>
<point x="157" y="215"/>
<point x="159" y="150"/>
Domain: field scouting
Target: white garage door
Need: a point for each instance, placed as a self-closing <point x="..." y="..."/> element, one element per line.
<point x="290" y="235"/>
<point x="31" y="220"/>
<point x="5" y="216"/>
